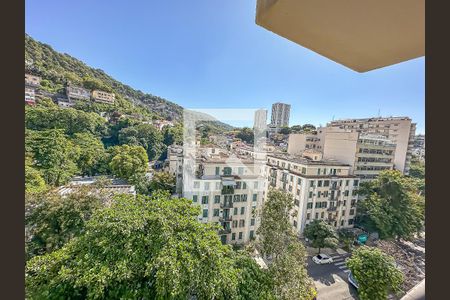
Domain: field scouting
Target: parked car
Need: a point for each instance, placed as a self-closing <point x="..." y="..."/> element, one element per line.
<point x="352" y="280"/>
<point x="322" y="259"/>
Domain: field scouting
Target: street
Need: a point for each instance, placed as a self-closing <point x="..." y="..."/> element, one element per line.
<point x="331" y="279"/>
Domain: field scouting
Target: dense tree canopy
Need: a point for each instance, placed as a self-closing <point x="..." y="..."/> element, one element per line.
<point x="34" y="182"/>
<point x="68" y="119"/>
<point x="173" y="135"/>
<point x="92" y="153"/>
<point x="393" y="206"/>
<point x="52" y="220"/>
<point x="152" y="248"/>
<point x="375" y="273"/>
<point x="54" y="155"/>
<point x="164" y="181"/>
<point x="145" y="135"/>
<point x="321" y="234"/>
<point x="128" y="161"/>
<point x="246" y="135"/>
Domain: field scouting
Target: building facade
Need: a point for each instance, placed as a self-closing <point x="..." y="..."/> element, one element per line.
<point x="30" y="96"/>
<point x="280" y="114"/>
<point x="322" y="189"/>
<point x="103" y="97"/>
<point x="399" y="130"/>
<point x="32" y="81"/>
<point x="229" y="190"/>
<point x="77" y="93"/>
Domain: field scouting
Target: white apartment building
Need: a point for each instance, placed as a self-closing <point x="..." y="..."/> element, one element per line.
<point x="367" y="154"/>
<point x="400" y="130"/>
<point x="228" y="188"/>
<point x="280" y="114"/>
<point x="322" y="189"/>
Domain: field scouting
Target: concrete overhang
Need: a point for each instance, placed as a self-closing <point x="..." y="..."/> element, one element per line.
<point x="362" y="35"/>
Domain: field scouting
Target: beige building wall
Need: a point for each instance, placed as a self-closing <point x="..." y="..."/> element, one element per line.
<point x="341" y="146"/>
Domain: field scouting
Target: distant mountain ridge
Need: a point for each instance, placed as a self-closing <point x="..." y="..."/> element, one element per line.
<point x="57" y="68"/>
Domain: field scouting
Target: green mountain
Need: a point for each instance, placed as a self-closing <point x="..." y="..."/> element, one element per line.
<point x="56" y="69"/>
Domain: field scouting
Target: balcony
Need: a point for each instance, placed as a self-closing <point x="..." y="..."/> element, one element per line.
<point x="228" y="218"/>
<point x="227" y="190"/>
<point x="227" y="204"/>
<point x="333" y="208"/>
<point x="224" y="231"/>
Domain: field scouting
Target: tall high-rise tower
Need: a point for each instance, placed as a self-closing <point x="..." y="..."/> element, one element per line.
<point x="280" y="114"/>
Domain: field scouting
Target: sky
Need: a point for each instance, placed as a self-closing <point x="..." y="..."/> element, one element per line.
<point x="210" y="54"/>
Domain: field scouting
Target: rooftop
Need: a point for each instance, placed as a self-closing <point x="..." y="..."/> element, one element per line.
<point x="307" y="161"/>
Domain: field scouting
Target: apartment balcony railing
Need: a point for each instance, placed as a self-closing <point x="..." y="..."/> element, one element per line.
<point x="228" y="204"/>
<point x="333" y="208"/>
<point x="227" y="190"/>
<point x="225" y="231"/>
<point x="226" y="218"/>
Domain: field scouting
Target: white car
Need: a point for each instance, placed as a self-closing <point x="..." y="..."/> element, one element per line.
<point x="322" y="259"/>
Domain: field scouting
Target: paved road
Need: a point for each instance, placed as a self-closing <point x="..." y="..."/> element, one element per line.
<point x="331" y="279"/>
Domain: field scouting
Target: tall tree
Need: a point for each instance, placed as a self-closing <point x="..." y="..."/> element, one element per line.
<point x="54" y="155"/>
<point x="128" y="161"/>
<point x="173" y="135"/>
<point x="321" y="234"/>
<point x="143" y="248"/>
<point x="163" y="181"/>
<point x="92" y="153"/>
<point x="275" y="230"/>
<point x="51" y="219"/>
<point x="288" y="255"/>
<point x="392" y="205"/>
<point x="375" y="273"/>
<point x="145" y="135"/>
<point x="34" y="182"/>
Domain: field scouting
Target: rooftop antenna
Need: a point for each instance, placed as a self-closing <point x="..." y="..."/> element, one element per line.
<point x="379" y="113"/>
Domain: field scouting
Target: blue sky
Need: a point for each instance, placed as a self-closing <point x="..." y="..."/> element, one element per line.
<point x="211" y="54"/>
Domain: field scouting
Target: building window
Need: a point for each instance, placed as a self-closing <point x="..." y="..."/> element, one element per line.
<point x="346" y="193"/>
<point x="355" y="182"/>
<point x="308" y="216"/>
<point x="354" y="193"/>
<point x="310" y="195"/>
<point x="240" y="235"/>
<point x="235" y="223"/>
<point x="244" y="185"/>
<point x="326" y="183"/>
<point x="303" y="170"/>
<point x="347" y="182"/>
<point x="309" y="205"/>
<point x="342" y="222"/>
<point x="324" y="204"/>
<point x="296" y="202"/>
<point x="298" y="191"/>
<point x="205" y="213"/>
<point x="353" y="203"/>
<point x="242" y="210"/>
<point x="311" y="183"/>
<point x="299" y="181"/>
<point x="194" y="198"/>
<point x="217" y="170"/>
<point x="317" y="216"/>
<point x="255" y="196"/>
<point x="233" y="236"/>
<point x="319" y="183"/>
<point x="204" y="199"/>
<point x="252" y="222"/>
<point x="227" y="171"/>
<point x="206" y="186"/>
<point x="318" y="204"/>
<point x="252" y="234"/>
<point x="238" y="185"/>
<point x="237" y="198"/>
<point x="350" y="221"/>
<point x="216" y="212"/>
<point x="318" y="171"/>
<point x="241" y="223"/>
<point x="244" y="197"/>
<point x="217" y="199"/>
<point x="295" y="224"/>
<point x="322" y="215"/>
<point x="352" y="212"/>
<point x="235" y="211"/>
